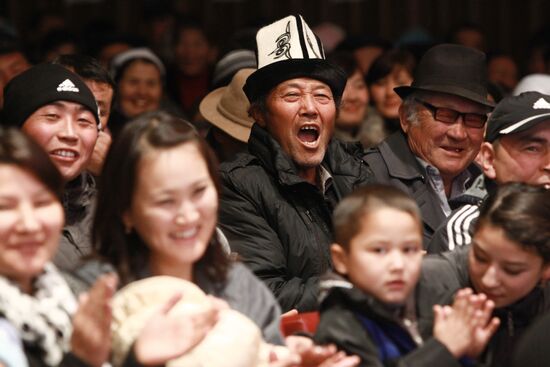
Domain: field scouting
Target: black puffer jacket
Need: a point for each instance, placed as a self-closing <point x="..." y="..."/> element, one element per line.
<point x="280" y="224"/>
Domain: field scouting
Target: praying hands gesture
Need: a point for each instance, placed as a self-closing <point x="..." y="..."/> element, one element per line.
<point x="465" y="327"/>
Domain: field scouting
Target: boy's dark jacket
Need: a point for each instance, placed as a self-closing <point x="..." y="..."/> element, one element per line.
<point x="340" y="324"/>
<point x="442" y="275"/>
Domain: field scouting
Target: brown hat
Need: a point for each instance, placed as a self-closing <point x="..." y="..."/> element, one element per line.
<point x="452" y="69"/>
<point x="227" y="107"/>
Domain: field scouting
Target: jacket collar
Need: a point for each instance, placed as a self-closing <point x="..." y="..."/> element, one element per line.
<point x="401" y="162"/>
<point x="272" y="157"/>
<point x="262" y="145"/>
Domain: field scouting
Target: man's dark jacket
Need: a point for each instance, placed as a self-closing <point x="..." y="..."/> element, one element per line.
<point x="280" y="224"/>
<point x="393" y="163"/>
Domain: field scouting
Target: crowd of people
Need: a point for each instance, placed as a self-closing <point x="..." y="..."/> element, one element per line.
<point x="178" y="213"/>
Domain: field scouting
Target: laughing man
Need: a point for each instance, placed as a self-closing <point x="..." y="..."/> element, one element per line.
<point x="277" y="199"/>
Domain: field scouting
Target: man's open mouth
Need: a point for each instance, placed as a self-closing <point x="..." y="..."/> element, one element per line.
<point x="308" y="134"/>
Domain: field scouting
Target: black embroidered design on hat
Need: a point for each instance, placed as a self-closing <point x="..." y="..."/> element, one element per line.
<point x="283" y="44"/>
<point x="312" y="47"/>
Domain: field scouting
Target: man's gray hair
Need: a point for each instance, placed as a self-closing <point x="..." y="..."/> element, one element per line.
<point x="410" y="108"/>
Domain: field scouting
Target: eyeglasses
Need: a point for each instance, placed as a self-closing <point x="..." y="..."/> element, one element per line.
<point x="449" y="116"/>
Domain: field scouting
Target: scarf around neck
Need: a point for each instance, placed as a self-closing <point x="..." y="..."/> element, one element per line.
<point x="42" y="319"/>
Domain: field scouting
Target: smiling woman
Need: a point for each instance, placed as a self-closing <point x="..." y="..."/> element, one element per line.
<point x="508" y="261"/>
<point x="35" y="300"/>
<point x="158" y="203"/>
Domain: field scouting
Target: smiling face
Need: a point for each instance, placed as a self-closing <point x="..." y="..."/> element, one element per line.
<point x="140" y="88"/>
<point x="501" y="268"/>
<point x="174" y="208"/>
<point x="31" y="218"/>
<point x="448" y="147"/>
<point x="384" y="257"/>
<point x="354" y="101"/>
<point x="521" y="157"/>
<point x="67" y="131"/>
<point x="385" y="99"/>
<point x="300" y="117"/>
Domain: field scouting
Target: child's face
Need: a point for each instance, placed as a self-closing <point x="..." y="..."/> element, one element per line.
<point x="384" y="258"/>
<point x="501" y="268"/>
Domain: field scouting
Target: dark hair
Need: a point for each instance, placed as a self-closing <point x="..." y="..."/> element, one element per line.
<point x="523" y="213"/>
<point x="364" y="201"/>
<point x="18" y="149"/>
<point x="384" y="64"/>
<point x="127" y="252"/>
<point x="346" y="61"/>
<point x="191" y="23"/>
<point x="86" y="67"/>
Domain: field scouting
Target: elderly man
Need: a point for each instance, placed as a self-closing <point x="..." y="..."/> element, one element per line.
<point x="56" y="108"/>
<point x="516" y="149"/>
<point x="442" y="118"/>
<point x="277" y="198"/>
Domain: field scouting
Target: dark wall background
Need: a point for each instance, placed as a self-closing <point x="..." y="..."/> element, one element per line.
<point x="508" y="24"/>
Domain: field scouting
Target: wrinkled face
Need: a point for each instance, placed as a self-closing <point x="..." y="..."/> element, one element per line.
<point x="501" y="268"/>
<point x="384" y="258"/>
<point x="521" y="157"/>
<point x="301" y="114"/>
<point x="192" y="52"/>
<point x="354" y="101"/>
<point x="103" y="94"/>
<point x="385" y="100"/>
<point x="67" y="131"/>
<point x="140" y="89"/>
<point x="174" y="206"/>
<point x="31" y="218"/>
<point x="448" y="147"/>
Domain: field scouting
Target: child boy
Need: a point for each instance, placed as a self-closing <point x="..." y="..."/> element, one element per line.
<point x="369" y="311"/>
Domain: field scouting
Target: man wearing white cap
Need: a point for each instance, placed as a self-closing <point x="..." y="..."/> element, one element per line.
<point x="277" y="199"/>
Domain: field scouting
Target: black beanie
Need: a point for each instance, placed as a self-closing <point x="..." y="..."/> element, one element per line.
<point x="41" y="85"/>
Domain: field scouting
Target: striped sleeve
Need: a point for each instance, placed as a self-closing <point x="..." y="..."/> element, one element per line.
<point x="459" y="226"/>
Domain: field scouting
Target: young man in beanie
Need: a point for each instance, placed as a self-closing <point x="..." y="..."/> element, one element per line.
<point x="102" y="85"/>
<point x="516" y="149"/>
<point x="442" y="118"/>
<point x="56" y="108"/>
<point x="277" y="199"/>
